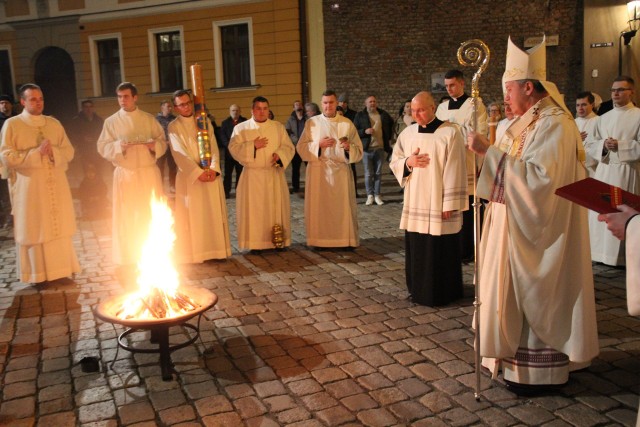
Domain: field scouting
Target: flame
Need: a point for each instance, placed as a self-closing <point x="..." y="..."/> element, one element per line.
<point x="157" y="275"/>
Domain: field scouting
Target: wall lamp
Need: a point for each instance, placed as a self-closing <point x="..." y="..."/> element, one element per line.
<point x="633" y="10"/>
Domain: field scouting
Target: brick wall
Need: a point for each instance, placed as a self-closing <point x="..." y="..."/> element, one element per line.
<point x="391" y="48"/>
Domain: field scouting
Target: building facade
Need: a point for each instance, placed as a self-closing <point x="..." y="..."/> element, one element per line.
<point x="294" y="49"/>
<point x="395" y="49"/>
<point x="82" y="49"/>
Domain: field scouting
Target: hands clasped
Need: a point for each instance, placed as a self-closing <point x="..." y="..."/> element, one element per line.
<point x="46" y="149"/>
<point x="327" y="142"/>
<point x="208" y="175"/>
<point x="611" y="144"/>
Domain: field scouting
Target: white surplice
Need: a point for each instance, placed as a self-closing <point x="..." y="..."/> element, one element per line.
<point x="262" y="195"/>
<point x="202" y="228"/>
<point x="439" y="187"/>
<point x="621" y="168"/>
<point x="330" y="213"/>
<point x="587" y="124"/>
<point x="135" y="177"/>
<point x="463" y="117"/>
<point x="44" y="219"/>
<point x="536" y="282"/>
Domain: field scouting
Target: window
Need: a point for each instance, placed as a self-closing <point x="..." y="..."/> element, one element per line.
<point x="165" y="53"/>
<point x="234" y="54"/>
<point x="106" y="64"/>
<point x="6" y="73"/>
<point x="109" y="60"/>
<point x="234" y="40"/>
<point x="169" y="61"/>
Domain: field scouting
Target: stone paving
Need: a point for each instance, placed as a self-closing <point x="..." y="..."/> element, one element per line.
<point x="298" y="338"/>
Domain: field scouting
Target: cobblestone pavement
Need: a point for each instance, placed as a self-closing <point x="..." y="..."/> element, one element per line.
<point x="298" y="338"/>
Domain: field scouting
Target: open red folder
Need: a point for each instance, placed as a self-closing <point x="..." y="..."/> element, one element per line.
<point x="598" y="196"/>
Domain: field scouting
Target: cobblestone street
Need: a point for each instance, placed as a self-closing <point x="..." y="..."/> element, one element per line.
<point x="298" y="338"/>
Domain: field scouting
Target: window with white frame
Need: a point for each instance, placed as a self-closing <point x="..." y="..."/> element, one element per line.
<point x="6" y="73"/>
<point x="166" y="47"/>
<point x="234" y="53"/>
<point x="106" y="63"/>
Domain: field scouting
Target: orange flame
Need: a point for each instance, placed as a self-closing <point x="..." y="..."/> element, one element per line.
<point x="157" y="275"/>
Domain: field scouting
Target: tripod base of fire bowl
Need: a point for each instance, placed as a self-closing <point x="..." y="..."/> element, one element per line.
<point x="160" y="336"/>
<point x="159" y="328"/>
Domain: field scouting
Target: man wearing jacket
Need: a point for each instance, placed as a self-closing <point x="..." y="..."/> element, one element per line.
<point x="374" y="128"/>
<point x="230" y="164"/>
<point x="295" y="126"/>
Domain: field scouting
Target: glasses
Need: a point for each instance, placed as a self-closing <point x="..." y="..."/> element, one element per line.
<point x="619" y="90"/>
<point x="184" y="104"/>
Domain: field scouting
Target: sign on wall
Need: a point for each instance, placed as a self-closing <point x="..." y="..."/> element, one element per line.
<point x="552" y="40"/>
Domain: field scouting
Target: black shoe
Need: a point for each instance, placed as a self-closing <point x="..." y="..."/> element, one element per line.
<point x="532" y="390"/>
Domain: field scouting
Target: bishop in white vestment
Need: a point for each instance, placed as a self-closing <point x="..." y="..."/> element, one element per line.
<point x="264" y="149"/>
<point x="202" y="229"/>
<point x="537" y="318"/>
<point x="330" y="143"/>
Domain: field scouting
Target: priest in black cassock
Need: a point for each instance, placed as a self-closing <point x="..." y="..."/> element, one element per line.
<point x="428" y="161"/>
<point x="459" y="110"/>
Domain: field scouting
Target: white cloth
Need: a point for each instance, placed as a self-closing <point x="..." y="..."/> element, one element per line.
<point x="632" y="240"/>
<point x="330" y="213"/>
<point x="43" y="212"/>
<point x="502" y="127"/>
<point x="202" y="229"/>
<point x="262" y="196"/>
<point x="535" y="271"/>
<point x="587" y="124"/>
<point x="437" y="188"/>
<point x="621" y="168"/>
<point x="135" y="177"/>
<point x="463" y="117"/>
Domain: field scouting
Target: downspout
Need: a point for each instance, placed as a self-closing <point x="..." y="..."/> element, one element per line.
<point x="304" y="50"/>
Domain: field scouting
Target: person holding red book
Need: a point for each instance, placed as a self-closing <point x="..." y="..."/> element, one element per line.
<point x="615" y="144"/>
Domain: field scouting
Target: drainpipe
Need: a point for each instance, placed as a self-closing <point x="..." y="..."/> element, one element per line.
<point x="304" y="51"/>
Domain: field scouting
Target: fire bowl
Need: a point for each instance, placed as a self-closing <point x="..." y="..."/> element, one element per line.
<point x="108" y="308"/>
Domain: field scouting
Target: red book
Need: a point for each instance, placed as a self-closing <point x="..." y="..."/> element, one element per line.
<point x="598" y="196"/>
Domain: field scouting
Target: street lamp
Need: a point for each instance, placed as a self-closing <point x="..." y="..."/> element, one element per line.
<point x="633" y="10"/>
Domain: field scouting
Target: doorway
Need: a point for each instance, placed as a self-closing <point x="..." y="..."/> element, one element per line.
<point x="55" y="74"/>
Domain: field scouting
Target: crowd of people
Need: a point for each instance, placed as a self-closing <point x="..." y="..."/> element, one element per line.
<point x="537" y="315"/>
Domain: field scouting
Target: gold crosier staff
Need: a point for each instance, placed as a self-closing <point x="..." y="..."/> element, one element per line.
<point x="475" y="53"/>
